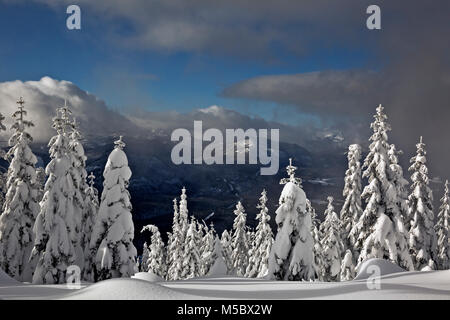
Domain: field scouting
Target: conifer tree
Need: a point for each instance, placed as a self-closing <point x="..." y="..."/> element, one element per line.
<point x="55" y="228"/>
<point x="443" y="227"/>
<point x="239" y="242"/>
<point x="422" y="237"/>
<point x="145" y="258"/>
<point x="113" y="233"/>
<point x="218" y="266"/>
<point x="176" y="246"/>
<point x="207" y="250"/>
<point x="156" y="262"/>
<point x="400" y="184"/>
<point x="380" y="230"/>
<point x="90" y="215"/>
<point x="225" y="241"/>
<point x="316" y="236"/>
<point x="191" y="260"/>
<point x="332" y="244"/>
<point x="292" y="254"/>
<point x="79" y="175"/>
<point x="352" y="209"/>
<point x="259" y="254"/>
<point x="21" y="204"/>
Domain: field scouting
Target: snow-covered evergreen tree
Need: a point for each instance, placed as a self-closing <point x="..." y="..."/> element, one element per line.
<point x="422" y="238"/>
<point x="90" y="215"/>
<point x="175" y="247"/>
<point x="239" y="242"/>
<point x="380" y="229"/>
<point x="332" y="244"/>
<point x="207" y="250"/>
<point x="191" y="259"/>
<point x="259" y="255"/>
<point x="21" y="204"/>
<point x="292" y="254"/>
<point x="79" y="175"/>
<point x="113" y="233"/>
<point x="218" y="267"/>
<point x="400" y="184"/>
<point x="347" y="267"/>
<point x="143" y="266"/>
<point x="156" y="262"/>
<point x="55" y="228"/>
<point x="442" y="230"/>
<point x="225" y="241"/>
<point x="352" y="209"/>
<point x="316" y="235"/>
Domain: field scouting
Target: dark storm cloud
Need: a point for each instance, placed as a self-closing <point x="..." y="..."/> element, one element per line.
<point x="413" y="83"/>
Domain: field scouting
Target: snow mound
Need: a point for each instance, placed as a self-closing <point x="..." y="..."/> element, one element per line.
<point x="5" y="279"/>
<point x="127" y="289"/>
<point x="374" y="267"/>
<point x="148" y="276"/>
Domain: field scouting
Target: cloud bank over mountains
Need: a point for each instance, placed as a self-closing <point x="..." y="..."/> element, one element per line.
<point x="95" y="118"/>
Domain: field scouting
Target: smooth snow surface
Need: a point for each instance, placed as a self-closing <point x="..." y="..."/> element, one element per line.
<point x="385" y="267"/>
<point x="148" y="276"/>
<point x="401" y="285"/>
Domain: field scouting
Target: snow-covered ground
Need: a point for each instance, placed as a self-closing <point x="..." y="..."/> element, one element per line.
<point x="394" y="284"/>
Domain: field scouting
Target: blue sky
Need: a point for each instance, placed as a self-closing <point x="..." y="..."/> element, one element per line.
<point x="37" y="43"/>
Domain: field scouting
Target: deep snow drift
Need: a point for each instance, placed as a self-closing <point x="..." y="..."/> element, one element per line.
<point x="395" y="283"/>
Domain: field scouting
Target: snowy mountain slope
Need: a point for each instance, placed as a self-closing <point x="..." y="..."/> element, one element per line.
<point x="214" y="188"/>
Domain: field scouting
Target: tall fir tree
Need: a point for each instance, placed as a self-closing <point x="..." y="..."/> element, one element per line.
<point x="292" y="254"/>
<point x="352" y="208"/>
<point x="156" y="261"/>
<point x="191" y="262"/>
<point x="113" y="233"/>
<point x="380" y="229"/>
<point x="79" y="175"/>
<point x="90" y="216"/>
<point x="316" y="236"/>
<point x="442" y="230"/>
<point x="225" y="241"/>
<point x="400" y="184"/>
<point x="422" y="237"/>
<point x="176" y="246"/>
<point x="239" y="242"/>
<point x="55" y="228"/>
<point x="207" y="250"/>
<point x="259" y="255"/>
<point x="332" y="244"/>
<point x="143" y="266"/>
<point x="21" y="203"/>
<point x="218" y="266"/>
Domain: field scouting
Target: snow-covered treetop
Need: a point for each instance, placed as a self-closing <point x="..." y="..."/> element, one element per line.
<point x="290" y="169"/>
<point x="91" y="178"/>
<point x="420" y="170"/>
<point x="119" y="144"/>
<point x="150" y="227"/>
<point x="380" y="124"/>
<point x="20" y="124"/>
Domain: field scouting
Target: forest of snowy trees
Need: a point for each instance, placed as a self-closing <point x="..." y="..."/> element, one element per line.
<point x="53" y="218"/>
